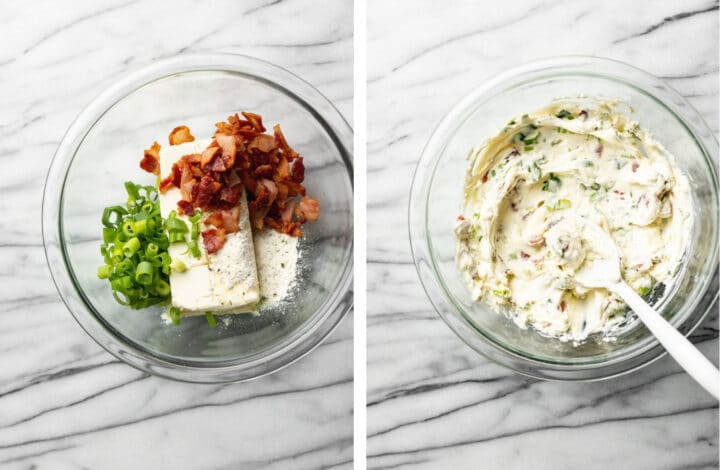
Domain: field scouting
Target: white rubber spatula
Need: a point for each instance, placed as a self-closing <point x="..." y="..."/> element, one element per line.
<point x="604" y="271"/>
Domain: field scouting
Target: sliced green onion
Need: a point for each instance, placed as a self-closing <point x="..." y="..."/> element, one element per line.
<point x="104" y="271"/>
<point x="193" y="247"/>
<point x="108" y="234"/>
<point x="162" y="288"/>
<point x="174" y="314"/>
<point x="151" y="250"/>
<point x="210" y="319"/>
<point x="173" y="224"/>
<point x="131" y="247"/>
<point x="194" y="231"/>
<point x="109" y="212"/>
<point x="134" y="249"/>
<point x="176" y="237"/>
<point x="178" y="266"/>
<point x="128" y="228"/>
<point x="144" y="273"/>
<point x="140" y="226"/>
<point x="132" y="190"/>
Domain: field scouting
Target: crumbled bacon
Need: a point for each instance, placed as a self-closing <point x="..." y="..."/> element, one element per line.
<point x="151" y="159"/>
<point x="226" y="219"/>
<point x="214" y="239"/>
<point x="208" y="155"/>
<point x="230" y="219"/>
<point x="308" y="208"/>
<point x="180" y="135"/>
<point x="185" y="208"/>
<point x="231" y="194"/>
<point x="635" y="166"/>
<point x="270" y="171"/>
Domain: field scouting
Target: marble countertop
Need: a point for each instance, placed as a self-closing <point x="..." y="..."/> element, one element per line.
<point x="64" y="402"/>
<point x="434" y="403"/>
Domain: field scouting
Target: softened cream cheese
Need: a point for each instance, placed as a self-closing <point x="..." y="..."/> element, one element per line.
<point x="223" y="282"/>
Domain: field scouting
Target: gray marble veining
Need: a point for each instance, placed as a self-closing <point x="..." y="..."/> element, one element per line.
<point x="434" y="403"/>
<point x="64" y="402"/>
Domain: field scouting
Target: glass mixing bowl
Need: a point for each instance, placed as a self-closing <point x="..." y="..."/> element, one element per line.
<point x="102" y="149"/>
<point x="437" y="194"/>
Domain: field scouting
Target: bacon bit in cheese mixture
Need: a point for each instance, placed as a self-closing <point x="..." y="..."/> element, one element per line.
<point x="240" y="155"/>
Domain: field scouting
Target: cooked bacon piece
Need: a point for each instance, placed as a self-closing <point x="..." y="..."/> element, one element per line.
<point x="230" y="219"/>
<point x="187" y="178"/>
<point x="264" y="171"/>
<point x="217" y="165"/>
<point x="166" y="184"/>
<point x="231" y="194"/>
<point x="214" y="239"/>
<point x="283" y="169"/>
<point x="255" y="121"/>
<point x="229" y="149"/>
<point x="268" y="169"/>
<point x="185" y="208"/>
<point x="289" y="153"/>
<point x="298" y="170"/>
<point x="308" y="208"/>
<point x="172" y="180"/>
<point x="151" y="159"/>
<point x="263" y="143"/>
<point x="206" y="190"/>
<point x="287" y="213"/>
<point x="208" y="156"/>
<point x="180" y="135"/>
<point x="215" y="219"/>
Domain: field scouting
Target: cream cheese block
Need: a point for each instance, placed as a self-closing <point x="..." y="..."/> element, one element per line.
<point x="222" y="282"/>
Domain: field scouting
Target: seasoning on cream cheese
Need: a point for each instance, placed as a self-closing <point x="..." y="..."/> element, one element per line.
<point x="530" y="193"/>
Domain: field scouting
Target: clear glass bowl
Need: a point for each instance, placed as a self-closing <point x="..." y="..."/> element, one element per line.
<point x="102" y="149"/>
<point x="437" y="193"/>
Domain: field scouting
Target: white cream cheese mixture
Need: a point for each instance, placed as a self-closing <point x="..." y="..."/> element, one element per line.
<point x="532" y="189"/>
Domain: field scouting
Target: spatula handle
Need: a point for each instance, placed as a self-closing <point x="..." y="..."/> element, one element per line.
<point x="679" y="347"/>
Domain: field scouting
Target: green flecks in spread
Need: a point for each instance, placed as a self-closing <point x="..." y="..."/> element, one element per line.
<point x="599" y="193"/>
<point x="565" y="114"/>
<point x="535" y="171"/>
<point x="552" y="184"/>
<point x="501" y="293"/>
<point x="559" y="205"/>
<point x="588" y="163"/>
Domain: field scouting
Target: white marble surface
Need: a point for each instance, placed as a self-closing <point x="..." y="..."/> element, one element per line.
<point x="64" y="402"/>
<point x="433" y="403"/>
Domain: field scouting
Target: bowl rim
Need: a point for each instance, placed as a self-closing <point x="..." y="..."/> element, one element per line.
<point x="308" y="335"/>
<point x="420" y="242"/>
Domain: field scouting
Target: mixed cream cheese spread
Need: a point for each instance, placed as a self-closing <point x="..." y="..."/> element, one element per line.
<point x="531" y="191"/>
